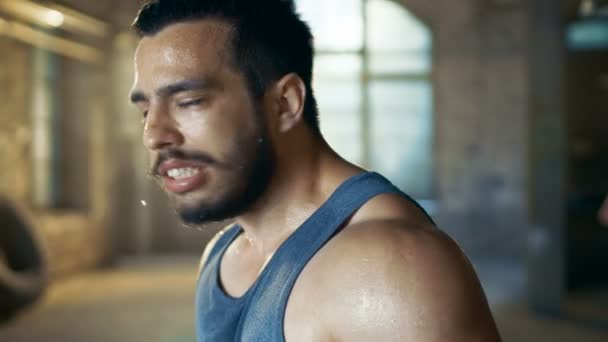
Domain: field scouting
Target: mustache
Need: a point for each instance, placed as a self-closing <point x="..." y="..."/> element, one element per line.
<point x="174" y="153"/>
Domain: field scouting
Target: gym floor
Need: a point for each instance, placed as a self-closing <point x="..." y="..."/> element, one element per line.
<point x="151" y="300"/>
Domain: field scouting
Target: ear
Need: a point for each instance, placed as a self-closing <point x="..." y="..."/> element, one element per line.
<point x="290" y="97"/>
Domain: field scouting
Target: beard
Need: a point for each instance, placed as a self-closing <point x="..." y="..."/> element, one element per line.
<point x="247" y="186"/>
<point x="245" y="175"/>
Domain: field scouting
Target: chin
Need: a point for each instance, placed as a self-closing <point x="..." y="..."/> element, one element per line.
<point x="199" y="216"/>
<point x="195" y="209"/>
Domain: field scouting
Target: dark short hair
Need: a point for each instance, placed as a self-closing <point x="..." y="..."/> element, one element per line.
<point x="269" y="39"/>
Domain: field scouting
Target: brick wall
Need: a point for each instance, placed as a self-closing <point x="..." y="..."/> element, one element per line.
<point x="72" y="240"/>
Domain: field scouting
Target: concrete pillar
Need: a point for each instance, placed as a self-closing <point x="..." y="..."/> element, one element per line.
<point x="480" y="58"/>
<point x="547" y="170"/>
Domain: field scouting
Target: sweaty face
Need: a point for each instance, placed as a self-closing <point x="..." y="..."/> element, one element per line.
<point x="206" y="135"/>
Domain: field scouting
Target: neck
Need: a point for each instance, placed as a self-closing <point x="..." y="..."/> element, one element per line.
<point x="304" y="178"/>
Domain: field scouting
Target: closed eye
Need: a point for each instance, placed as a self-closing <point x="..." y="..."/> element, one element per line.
<point x="190" y="103"/>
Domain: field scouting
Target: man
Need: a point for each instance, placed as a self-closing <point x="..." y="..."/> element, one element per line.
<point x="321" y="250"/>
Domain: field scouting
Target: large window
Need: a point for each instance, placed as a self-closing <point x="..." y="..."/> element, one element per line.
<point x="372" y="82"/>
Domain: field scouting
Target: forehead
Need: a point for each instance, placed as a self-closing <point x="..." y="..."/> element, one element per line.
<point x="184" y="48"/>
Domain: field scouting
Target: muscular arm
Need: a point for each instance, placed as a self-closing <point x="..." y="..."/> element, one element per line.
<point x="395" y="284"/>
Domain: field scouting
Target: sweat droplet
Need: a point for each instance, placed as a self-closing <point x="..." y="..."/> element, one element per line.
<point x="144" y="203"/>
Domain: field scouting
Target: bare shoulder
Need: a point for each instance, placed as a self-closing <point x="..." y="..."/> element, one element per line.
<point x="398" y="279"/>
<point x="210" y="245"/>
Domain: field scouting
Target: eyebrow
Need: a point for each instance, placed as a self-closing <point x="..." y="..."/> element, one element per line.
<point x="175" y="88"/>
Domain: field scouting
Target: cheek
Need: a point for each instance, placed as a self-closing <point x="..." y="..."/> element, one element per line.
<point x="213" y="132"/>
<point x="196" y="127"/>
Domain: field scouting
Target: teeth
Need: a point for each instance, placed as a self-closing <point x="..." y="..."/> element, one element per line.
<point x="182" y="173"/>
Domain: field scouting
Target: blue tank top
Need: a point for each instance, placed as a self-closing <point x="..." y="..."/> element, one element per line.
<point x="258" y="314"/>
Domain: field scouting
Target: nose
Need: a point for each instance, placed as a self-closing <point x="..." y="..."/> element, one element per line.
<point x="160" y="130"/>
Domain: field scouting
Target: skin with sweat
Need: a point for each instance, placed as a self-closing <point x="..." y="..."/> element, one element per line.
<point x="388" y="276"/>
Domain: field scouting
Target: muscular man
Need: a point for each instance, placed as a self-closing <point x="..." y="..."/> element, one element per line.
<point x="321" y="250"/>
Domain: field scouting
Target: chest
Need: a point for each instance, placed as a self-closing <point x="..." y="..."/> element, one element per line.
<point x="304" y="314"/>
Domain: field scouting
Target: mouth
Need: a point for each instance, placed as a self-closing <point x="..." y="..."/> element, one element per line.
<point x="181" y="177"/>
